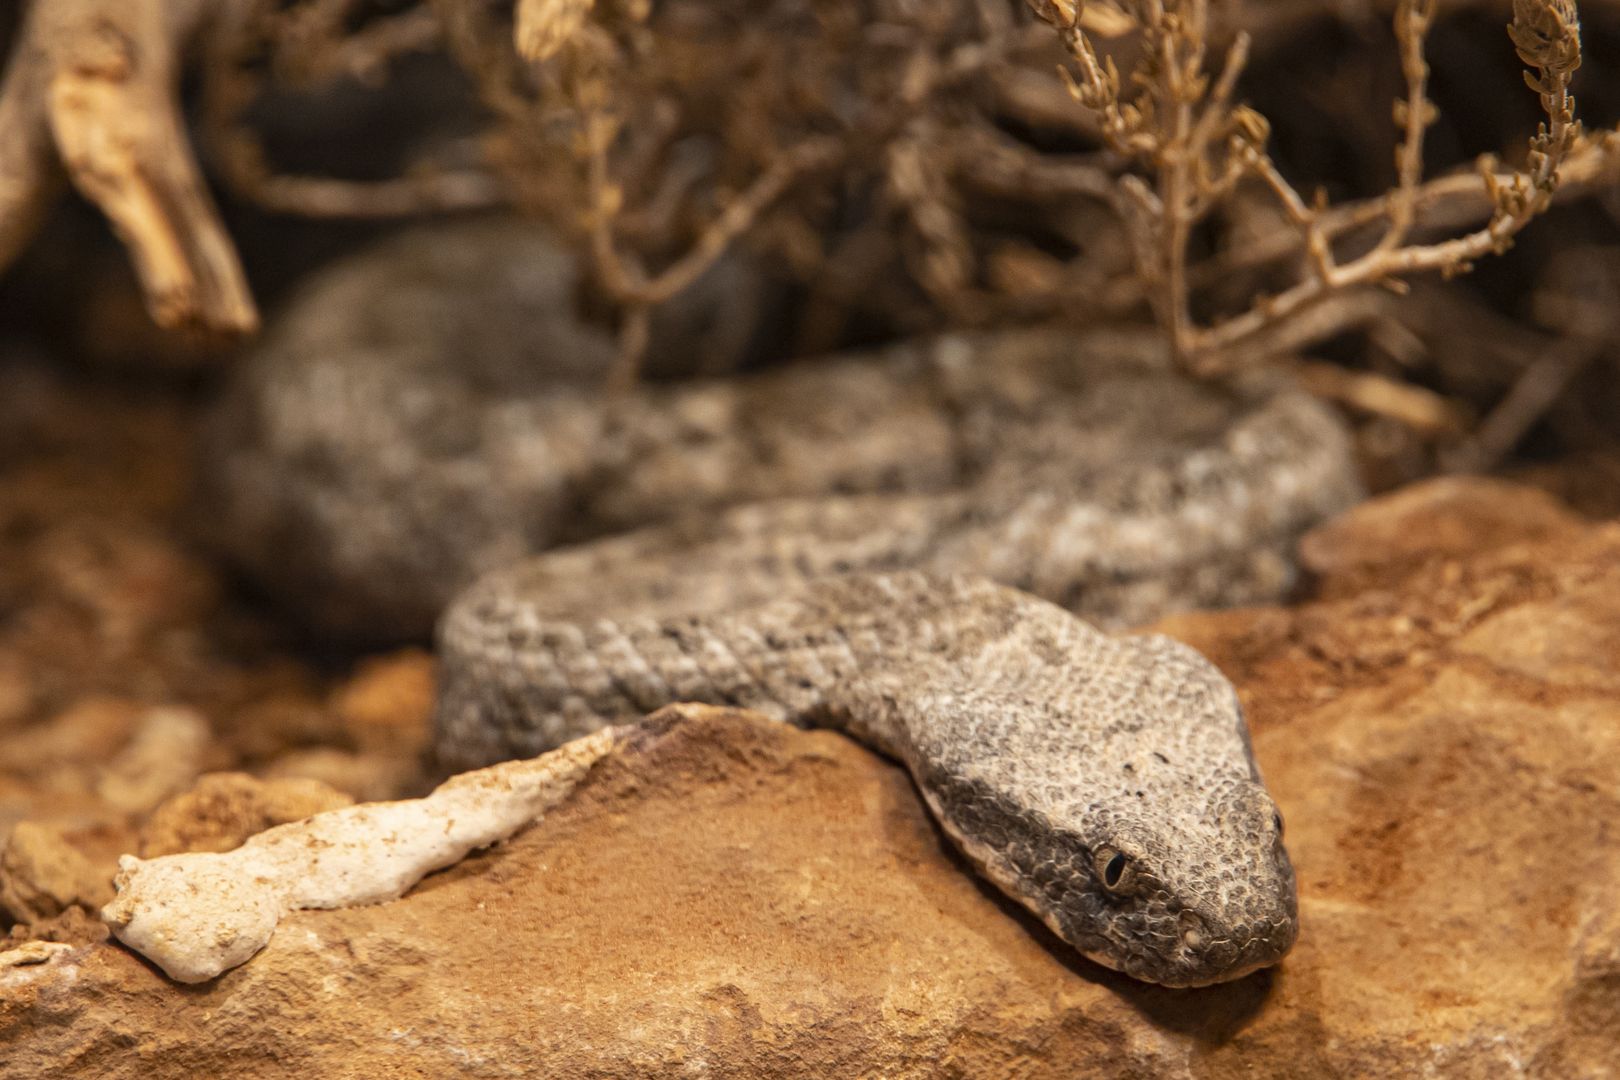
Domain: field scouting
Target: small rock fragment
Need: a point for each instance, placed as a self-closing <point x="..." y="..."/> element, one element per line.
<point x="198" y="914"/>
<point x="41" y="875"/>
<point x="364" y="777"/>
<point x="16" y="690"/>
<point x="387" y="706"/>
<point x="58" y="753"/>
<point x="32" y="952"/>
<point x="223" y="809"/>
<point x="164" y="756"/>
<point x="1451" y="516"/>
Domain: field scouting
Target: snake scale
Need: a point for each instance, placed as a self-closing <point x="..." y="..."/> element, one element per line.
<point x="895" y="544"/>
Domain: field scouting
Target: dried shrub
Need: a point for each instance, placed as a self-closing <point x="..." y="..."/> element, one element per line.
<point x="908" y="167"/>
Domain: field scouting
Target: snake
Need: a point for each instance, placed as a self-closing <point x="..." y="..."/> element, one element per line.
<point x="922" y="545"/>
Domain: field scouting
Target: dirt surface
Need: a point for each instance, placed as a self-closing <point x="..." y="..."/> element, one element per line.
<point x="129" y="665"/>
<point x="1441" y="726"/>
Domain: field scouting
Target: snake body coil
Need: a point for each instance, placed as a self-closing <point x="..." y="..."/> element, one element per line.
<point x="819" y="543"/>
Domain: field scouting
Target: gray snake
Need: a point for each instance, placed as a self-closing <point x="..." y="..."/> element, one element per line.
<point x="822" y="543"/>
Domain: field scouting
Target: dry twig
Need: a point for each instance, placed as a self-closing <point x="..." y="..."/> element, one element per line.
<point x="1181" y="125"/>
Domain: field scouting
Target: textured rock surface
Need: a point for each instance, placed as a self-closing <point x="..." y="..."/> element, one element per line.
<point x="42" y="874"/>
<point x="1442" y="730"/>
<point x="223" y="809"/>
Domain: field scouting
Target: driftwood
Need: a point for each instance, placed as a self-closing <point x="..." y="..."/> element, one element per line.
<point x="91" y="94"/>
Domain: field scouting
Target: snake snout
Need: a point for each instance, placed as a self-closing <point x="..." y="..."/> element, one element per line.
<point x="1213" y="949"/>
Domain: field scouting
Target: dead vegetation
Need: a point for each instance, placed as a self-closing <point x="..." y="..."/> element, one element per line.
<point x="904" y="167"/>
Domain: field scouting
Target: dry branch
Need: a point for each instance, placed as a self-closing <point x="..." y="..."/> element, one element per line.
<point x="1180" y="125"/>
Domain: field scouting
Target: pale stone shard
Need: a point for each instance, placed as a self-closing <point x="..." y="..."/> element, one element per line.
<point x="199" y="914"/>
<point x="30" y="953"/>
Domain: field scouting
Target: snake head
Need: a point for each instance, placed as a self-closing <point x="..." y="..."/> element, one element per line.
<point x="1125" y="809"/>
<point x="1180" y="901"/>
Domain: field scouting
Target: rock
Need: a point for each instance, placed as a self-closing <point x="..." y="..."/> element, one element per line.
<point x="41" y="875"/>
<point x="738" y="899"/>
<point x="1587" y="480"/>
<point x="61" y="752"/>
<point x="1448" y="517"/>
<point x="32" y="952"/>
<point x="387" y="705"/>
<point x="76" y="925"/>
<point x="165" y="754"/>
<point x="16" y="690"/>
<point x="270" y="725"/>
<point x="224" y="809"/>
<point x="198" y="914"/>
<point x="363" y="777"/>
<point x="132" y="587"/>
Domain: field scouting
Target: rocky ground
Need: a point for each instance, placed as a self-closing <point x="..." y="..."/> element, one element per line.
<point x="1440" y="723"/>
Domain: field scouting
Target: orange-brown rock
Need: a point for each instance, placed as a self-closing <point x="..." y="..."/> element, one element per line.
<point x="42" y="875"/>
<point x="223" y="809"/>
<point x="737" y="899"/>
<point x="387" y="705"/>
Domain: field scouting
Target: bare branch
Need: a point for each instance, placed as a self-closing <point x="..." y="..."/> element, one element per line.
<point x="1192" y="173"/>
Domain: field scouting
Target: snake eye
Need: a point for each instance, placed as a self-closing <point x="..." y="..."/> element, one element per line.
<point x="1276" y="823"/>
<point x="1115" y="871"/>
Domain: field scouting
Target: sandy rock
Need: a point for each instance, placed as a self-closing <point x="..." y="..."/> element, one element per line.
<point x="197" y="914"/>
<point x="16" y="690"/>
<point x="223" y="809"/>
<point x="387" y="705"/>
<point x="168" y="750"/>
<point x="736" y="899"/>
<point x="42" y="874"/>
<point x="32" y="952"/>
<point x="75" y="926"/>
<point x="1588" y="480"/>
<point x="363" y="777"/>
<point x="65" y="746"/>
<point x="1454" y="516"/>
<point x="133" y="585"/>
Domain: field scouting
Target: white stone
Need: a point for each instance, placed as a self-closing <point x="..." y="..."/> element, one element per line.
<point x="199" y="914"/>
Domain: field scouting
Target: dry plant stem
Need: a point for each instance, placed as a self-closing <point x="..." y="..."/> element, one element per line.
<point x="1156" y="129"/>
<point x="1176" y="191"/>
<point x="1446" y="202"/>
<point x="629" y="284"/>
<point x="542" y="27"/>
<point x="309" y="46"/>
<point x="94" y="84"/>
<point x="624" y="278"/>
<point x="1415" y="114"/>
<point x="993" y="163"/>
<point x="30" y="171"/>
<point x="425" y="191"/>
<point x="944" y="264"/>
<point x="1417" y="408"/>
<point x="316" y="50"/>
<point x="1217" y="348"/>
<point x="473" y="41"/>
<point x="1532" y="395"/>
